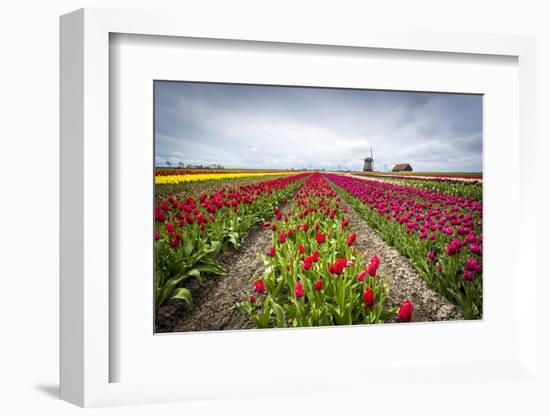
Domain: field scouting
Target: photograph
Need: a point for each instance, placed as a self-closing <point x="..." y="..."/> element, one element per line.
<point x="283" y="206"/>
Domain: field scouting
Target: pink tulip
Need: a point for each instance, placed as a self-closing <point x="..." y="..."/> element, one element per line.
<point x="371" y="270"/>
<point x="375" y="260"/>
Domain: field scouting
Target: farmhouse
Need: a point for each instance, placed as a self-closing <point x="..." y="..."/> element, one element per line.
<point x="402" y="167"/>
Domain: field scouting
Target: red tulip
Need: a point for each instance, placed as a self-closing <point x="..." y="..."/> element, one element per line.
<point x="406" y="311"/>
<point x="301" y="249"/>
<point x="159" y="215"/>
<point x="432" y="256"/>
<point x="318" y="285"/>
<point x="368" y="297"/>
<point x="175" y="242"/>
<point x="274" y="227"/>
<point x="351" y="238"/>
<point x="338" y="266"/>
<point x="157" y="235"/>
<point x="252" y="299"/>
<point x="170" y="228"/>
<point x="259" y="286"/>
<point x="282" y="237"/>
<point x="271" y="252"/>
<point x="299" y="291"/>
<point x="307" y="263"/>
<point x="320" y="237"/>
<point x="361" y="275"/>
<point x="315" y="256"/>
<point x="371" y="270"/>
<point x="468" y="276"/>
<point x="289" y="233"/>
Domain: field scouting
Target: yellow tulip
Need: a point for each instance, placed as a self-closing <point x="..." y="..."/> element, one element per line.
<point x="201" y="177"/>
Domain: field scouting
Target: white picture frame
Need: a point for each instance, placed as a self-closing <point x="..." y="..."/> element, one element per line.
<point x="85" y="352"/>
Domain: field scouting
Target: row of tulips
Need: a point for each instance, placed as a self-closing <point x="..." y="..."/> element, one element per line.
<point x="441" y="234"/>
<point x="203" y="177"/>
<point x="467" y="189"/>
<point x="195" y="189"/>
<point x="189" y="171"/>
<point x="428" y="175"/>
<point x="314" y="276"/>
<point x="191" y="229"/>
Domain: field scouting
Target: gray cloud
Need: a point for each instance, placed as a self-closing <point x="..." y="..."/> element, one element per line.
<point x="289" y="127"/>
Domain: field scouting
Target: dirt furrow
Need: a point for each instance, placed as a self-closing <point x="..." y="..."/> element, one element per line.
<point x="403" y="280"/>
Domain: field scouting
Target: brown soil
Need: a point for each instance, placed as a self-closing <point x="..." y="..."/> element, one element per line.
<point x="403" y="280"/>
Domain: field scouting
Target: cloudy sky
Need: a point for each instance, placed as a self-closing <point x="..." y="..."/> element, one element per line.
<point x="242" y="126"/>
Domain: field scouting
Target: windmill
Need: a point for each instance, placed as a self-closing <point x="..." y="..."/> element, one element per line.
<point x="367" y="167"/>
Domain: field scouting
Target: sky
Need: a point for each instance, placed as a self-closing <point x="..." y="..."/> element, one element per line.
<point x="250" y="126"/>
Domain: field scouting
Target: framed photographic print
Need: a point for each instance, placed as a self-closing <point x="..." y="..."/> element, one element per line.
<point x="265" y="216"/>
<point x="314" y="200"/>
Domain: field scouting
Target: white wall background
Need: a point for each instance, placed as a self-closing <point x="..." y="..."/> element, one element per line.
<point x="29" y="101"/>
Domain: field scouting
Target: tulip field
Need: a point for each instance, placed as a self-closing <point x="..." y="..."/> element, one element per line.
<point x="304" y="232"/>
<point x="192" y="228"/>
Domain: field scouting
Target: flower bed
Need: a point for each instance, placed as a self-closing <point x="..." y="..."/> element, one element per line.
<point x="441" y="234"/>
<point x="176" y="178"/>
